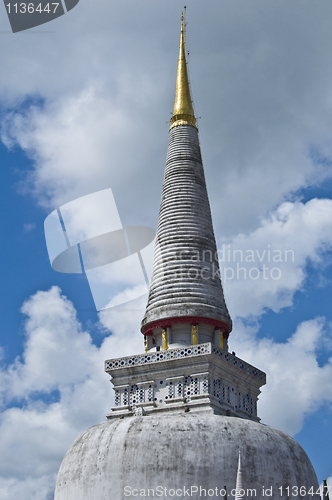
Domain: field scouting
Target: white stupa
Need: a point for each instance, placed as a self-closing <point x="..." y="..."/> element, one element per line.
<point x="185" y="407"/>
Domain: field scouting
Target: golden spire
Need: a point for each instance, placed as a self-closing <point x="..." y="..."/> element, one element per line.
<point x="183" y="111"/>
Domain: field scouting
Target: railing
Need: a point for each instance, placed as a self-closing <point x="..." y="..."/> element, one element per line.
<point x="184" y="352"/>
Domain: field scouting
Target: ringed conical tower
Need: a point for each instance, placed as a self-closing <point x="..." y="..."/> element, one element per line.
<point x="186" y="318"/>
<point x="186" y="297"/>
<point x="185" y="407"/>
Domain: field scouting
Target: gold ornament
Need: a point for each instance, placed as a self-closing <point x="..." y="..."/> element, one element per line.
<point x="194" y="336"/>
<point x="165" y="343"/>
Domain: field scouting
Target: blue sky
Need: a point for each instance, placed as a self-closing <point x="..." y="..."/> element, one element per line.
<point x="84" y="108"/>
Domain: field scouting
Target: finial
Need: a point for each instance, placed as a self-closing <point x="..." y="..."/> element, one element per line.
<point x="239" y="491"/>
<point x="325" y="490"/>
<point x="183" y="111"/>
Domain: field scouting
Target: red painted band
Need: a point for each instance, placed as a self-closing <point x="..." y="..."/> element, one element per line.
<point x="193" y="320"/>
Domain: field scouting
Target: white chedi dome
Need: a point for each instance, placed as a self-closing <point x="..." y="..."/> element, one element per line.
<point x="125" y="457"/>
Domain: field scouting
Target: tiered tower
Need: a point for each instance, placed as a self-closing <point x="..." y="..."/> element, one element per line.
<point x="186" y="323"/>
<point x="185" y="407"/>
<point x="185" y="287"/>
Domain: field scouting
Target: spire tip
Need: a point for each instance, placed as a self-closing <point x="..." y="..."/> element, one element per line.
<point x="183" y="111"/>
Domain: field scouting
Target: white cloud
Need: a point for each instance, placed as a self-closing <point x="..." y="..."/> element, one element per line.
<point x="296" y="384"/>
<point x="127" y="295"/>
<point x="56" y="391"/>
<point x="87" y="142"/>
<point x="264" y="268"/>
<point x="41" y="488"/>
<point x="56" y="350"/>
<point x="71" y="142"/>
<point x="124" y="321"/>
<point x="101" y="121"/>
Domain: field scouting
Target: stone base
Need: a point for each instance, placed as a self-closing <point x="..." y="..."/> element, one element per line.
<point x="193" y="378"/>
<point x="124" y="458"/>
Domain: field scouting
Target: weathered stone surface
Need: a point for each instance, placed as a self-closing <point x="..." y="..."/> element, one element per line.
<point x="185" y="279"/>
<point x="179" y="451"/>
<point x="200" y="378"/>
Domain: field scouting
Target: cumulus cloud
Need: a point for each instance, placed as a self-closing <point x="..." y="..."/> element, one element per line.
<point x="87" y="142"/>
<point x="264" y="268"/>
<point x="59" y="388"/>
<point x="125" y="321"/>
<point x="55" y="391"/>
<point x="53" y="339"/>
<point x="41" y="488"/>
<point x="102" y="124"/>
<point x="296" y="384"/>
<point x="71" y="143"/>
